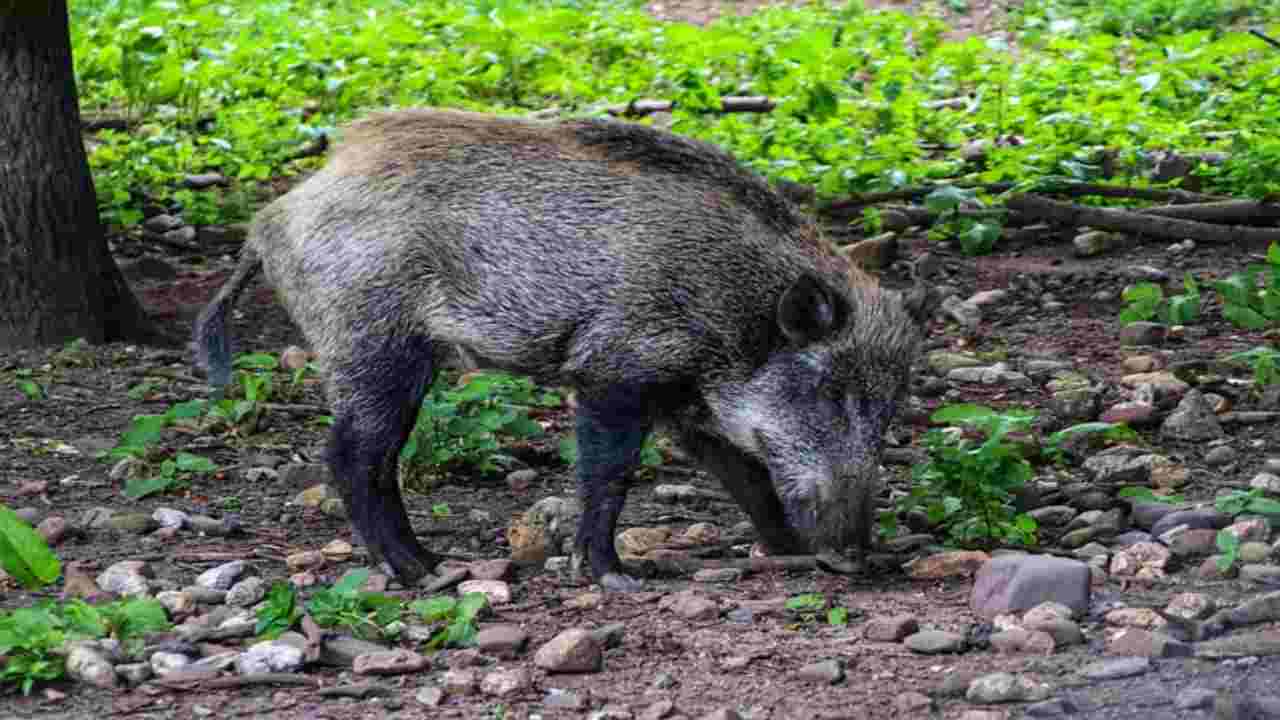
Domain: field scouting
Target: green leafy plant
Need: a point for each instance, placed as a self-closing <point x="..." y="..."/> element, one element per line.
<point x="838" y="616"/>
<point x="1145" y="494"/>
<point x="465" y="426"/>
<point x="365" y="614"/>
<point x="441" y="510"/>
<point x="1105" y="431"/>
<point x="172" y="472"/>
<point x="1265" y="362"/>
<point x="1238" y="502"/>
<point x="32" y="640"/>
<point x="1243" y="302"/>
<point x="278" y="613"/>
<point x="456" y="618"/>
<point x="29" y="387"/>
<point x="24" y="554"/>
<point x="1146" y="299"/>
<point x="977" y="236"/>
<point x="971" y="475"/>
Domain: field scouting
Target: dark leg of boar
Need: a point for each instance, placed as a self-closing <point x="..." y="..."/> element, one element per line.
<point x="376" y="398"/>
<point x="610" y="430"/>
<point x="749" y="484"/>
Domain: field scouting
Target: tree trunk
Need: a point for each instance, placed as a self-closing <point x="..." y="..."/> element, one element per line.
<point x="57" y="279"/>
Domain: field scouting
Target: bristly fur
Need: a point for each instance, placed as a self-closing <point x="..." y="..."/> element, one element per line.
<point x="612" y="257"/>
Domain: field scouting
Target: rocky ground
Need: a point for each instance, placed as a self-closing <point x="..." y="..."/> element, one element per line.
<point x="1144" y="621"/>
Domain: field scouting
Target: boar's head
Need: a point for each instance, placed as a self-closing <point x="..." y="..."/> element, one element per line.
<point x="814" y="414"/>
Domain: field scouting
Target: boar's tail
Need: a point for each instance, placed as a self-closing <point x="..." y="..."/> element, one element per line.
<point x="213" y="349"/>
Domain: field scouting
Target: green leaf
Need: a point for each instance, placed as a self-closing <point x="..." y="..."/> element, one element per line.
<point x="194" y="463"/>
<point x="1264" y="506"/>
<point x="838" y="616"/>
<point x="257" y="361"/>
<point x="809" y="602"/>
<point x="823" y="104"/>
<point x="949" y="197"/>
<point x="351" y="582"/>
<point x="434" y="609"/>
<point x="24" y="554"/>
<point x="962" y="413"/>
<point x="138" y="488"/>
<point x="471" y="604"/>
<point x="1244" y="317"/>
<point x="1148" y="82"/>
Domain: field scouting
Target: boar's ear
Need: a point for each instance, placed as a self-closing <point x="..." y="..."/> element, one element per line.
<point x="809" y="311"/>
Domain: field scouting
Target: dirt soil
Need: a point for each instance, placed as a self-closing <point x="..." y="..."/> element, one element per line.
<point x="730" y="662"/>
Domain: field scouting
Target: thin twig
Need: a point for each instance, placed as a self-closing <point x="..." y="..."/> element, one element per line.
<point x="1263" y="36"/>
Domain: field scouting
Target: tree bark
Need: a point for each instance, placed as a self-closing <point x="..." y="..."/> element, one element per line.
<point x="58" y="280"/>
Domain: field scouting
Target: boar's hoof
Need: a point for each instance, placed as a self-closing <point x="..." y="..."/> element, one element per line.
<point x="617" y="582"/>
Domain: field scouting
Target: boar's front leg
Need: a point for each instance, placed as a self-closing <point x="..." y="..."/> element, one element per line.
<point x="376" y="396"/>
<point x="748" y="482"/>
<point x="610" y="429"/>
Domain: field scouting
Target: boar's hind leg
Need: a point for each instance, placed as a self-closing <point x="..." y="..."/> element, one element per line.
<point x="376" y="399"/>
<point x="610" y="430"/>
<point x="749" y="484"/>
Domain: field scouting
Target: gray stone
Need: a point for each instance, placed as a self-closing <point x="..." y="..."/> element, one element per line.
<point x="1198" y="519"/>
<point x="1267" y="482"/>
<point x="1187" y="543"/>
<point x="1121" y="466"/>
<point x="246" y="592"/>
<point x="1194" y="699"/>
<point x="943" y="362"/>
<point x="88" y="664"/>
<point x="1261" y="609"/>
<point x="161" y="223"/>
<point x="1259" y="644"/>
<point x="1053" y="515"/>
<point x="1191" y="606"/>
<point x="127" y="577"/>
<point x="934" y="642"/>
<point x="1132" y="537"/>
<point x="215" y="527"/>
<point x="389" y="662"/>
<point x="505" y="682"/>
<point x="134" y="673"/>
<point x="1115" y="668"/>
<point x="1056" y="707"/>
<point x="202" y="181"/>
<point x="1238" y="706"/>
<point x="890" y="629"/>
<point x="1260" y="574"/>
<point x="1223" y="455"/>
<point x="503" y="641"/>
<point x="1004" y="687"/>
<point x="691" y="606"/>
<point x="1143" y="333"/>
<point x="165" y="663"/>
<point x="609" y="636"/>
<point x="168" y="517"/>
<point x="459" y="681"/>
<point x="430" y="696"/>
<point x="1147" y="514"/>
<point x="564" y="700"/>
<point x="718" y="575"/>
<point x="1136" y="642"/>
<point x="132" y="523"/>
<point x="574" y="650"/>
<point x="1253" y="553"/>
<point x="1095" y="242"/>
<point x="223" y="576"/>
<point x="827" y="672"/>
<point x="1193" y="420"/>
<point x="268" y="657"/>
<point x="1010" y="583"/>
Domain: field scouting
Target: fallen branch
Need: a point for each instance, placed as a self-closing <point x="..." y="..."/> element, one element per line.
<point x="1248" y="212"/>
<point x="359" y="692"/>
<point x="1138" y="223"/>
<point x="199" y="680"/>
<point x="729" y="104"/>
<point x="855" y="203"/>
